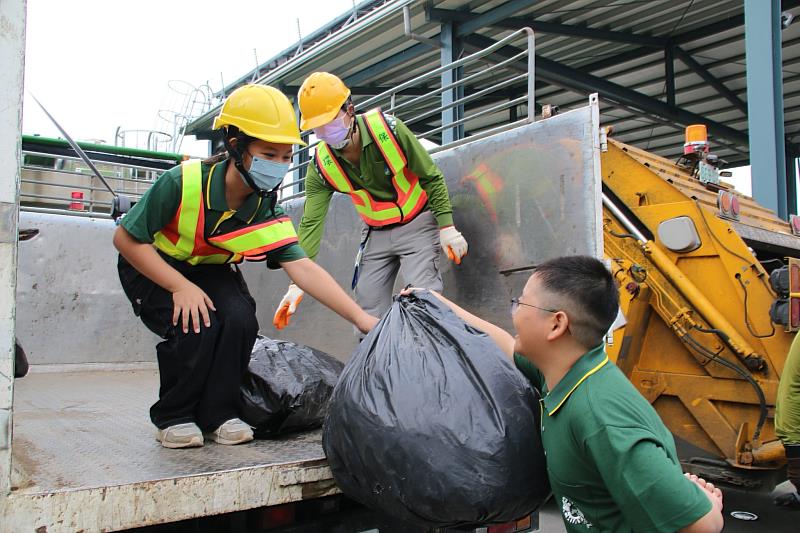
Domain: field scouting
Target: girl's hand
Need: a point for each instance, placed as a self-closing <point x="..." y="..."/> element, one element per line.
<point x="366" y="323"/>
<point x="190" y="300"/>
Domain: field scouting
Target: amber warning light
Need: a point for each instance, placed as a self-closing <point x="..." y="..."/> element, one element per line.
<point x="696" y="139"/>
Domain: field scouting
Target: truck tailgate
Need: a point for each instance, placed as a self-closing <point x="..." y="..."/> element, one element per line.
<point x="85" y="457"/>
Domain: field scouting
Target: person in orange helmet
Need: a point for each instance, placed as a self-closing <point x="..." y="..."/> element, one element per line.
<point x="396" y="188"/>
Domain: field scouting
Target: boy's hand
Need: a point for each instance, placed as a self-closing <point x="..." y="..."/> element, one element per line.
<point x="713" y="493"/>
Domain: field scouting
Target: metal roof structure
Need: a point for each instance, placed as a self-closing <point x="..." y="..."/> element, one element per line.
<point x="658" y="65"/>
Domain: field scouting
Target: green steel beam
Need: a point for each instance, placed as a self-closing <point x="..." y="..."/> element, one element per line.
<point x="449" y="52"/>
<point x="709" y="78"/>
<point x="583" y="83"/>
<point x="410" y="53"/>
<point x="515" y="23"/>
<point x="669" y="73"/>
<point x="479" y="21"/>
<point x="765" y="104"/>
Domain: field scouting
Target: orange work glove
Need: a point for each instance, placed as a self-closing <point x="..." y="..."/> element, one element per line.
<point x="453" y="243"/>
<point x="287" y="307"/>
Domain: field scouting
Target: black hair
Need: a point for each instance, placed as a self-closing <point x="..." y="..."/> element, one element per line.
<point x="226" y="134"/>
<point x="587" y="293"/>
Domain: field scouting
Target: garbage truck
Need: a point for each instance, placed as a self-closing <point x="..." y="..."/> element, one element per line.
<point x="707" y="282"/>
<point x="83" y="452"/>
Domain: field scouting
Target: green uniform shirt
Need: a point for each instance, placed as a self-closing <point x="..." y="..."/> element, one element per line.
<point x="374" y="176"/>
<point x="159" y="204"/>
<point x="611" y="462"/>
<point x="787" y="405"/>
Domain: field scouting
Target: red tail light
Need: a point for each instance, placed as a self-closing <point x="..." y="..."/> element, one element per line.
<point x="502" y="528"/>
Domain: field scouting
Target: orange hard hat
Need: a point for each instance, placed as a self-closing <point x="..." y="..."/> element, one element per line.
<point x="321" y="97"/>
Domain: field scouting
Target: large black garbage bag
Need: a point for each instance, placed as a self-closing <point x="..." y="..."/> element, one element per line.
<point x="431" y="423"/>
<point x="287" y="387"/>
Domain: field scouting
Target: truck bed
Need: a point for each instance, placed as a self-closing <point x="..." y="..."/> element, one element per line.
<point x="88" y="431"/>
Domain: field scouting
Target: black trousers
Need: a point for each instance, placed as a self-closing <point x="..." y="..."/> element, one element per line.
<point x="200" y="372"/>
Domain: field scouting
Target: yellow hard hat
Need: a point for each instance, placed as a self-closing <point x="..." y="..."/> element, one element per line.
<point x="262" y="112"/>
<point x="320" y="97"/>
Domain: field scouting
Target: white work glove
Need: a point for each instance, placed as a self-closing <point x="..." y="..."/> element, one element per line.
<point x="453" y="243"/>
<point x="288" y="306"/>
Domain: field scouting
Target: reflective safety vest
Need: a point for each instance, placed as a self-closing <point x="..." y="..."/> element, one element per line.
<point x="184" y="237"/>
<point x="411" y="198"/>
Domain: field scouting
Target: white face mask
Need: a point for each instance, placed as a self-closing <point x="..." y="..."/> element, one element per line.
<point x="335" y="134"/>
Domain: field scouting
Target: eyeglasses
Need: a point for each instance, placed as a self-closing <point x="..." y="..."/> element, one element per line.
<point x="515" y="303"/>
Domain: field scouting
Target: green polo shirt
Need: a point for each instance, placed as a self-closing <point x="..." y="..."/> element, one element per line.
<point x="374" y="176"/>
<point x="160" y="203"/>
<point x="787" y="405"/>
<point x="611" y="462"/>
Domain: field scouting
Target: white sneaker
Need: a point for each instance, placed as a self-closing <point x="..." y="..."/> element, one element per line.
<point x="234" y="431"/>
<point x="186" y="435"/>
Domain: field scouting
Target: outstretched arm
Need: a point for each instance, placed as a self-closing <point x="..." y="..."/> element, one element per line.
<point x="500" y="336"/>
<point x="316" y="281"/>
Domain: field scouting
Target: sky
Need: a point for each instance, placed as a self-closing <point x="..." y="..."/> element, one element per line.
<point x="97" y="65"/>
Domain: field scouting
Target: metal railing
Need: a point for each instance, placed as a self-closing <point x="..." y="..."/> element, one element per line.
<point x="485" y="77"/>
<point x="64" y="184"/>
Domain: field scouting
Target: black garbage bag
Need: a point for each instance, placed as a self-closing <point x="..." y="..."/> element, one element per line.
<point x="20" y="361"/>
<point x="287" y="387"/>
<point x="431" y="423"/>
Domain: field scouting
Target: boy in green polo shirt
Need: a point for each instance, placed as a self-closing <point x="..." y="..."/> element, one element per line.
<point x="611" y="462"/>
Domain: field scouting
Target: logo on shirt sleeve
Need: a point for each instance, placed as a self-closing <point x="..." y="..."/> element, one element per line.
<point x="572" y="514"/>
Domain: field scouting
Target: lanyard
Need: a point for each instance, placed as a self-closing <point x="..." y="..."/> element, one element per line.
<point x="359" y="255"/>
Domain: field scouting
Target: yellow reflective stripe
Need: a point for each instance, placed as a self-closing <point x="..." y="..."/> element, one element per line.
<point x="191" y="203"/>
<point x="216" y="259"/>
<point x="589" y="373"/>
<point x="383" y="214"/>
<point x="326" y="159"/>
<point x="411" y="201"/>
<point x="388" y="145"/>
<point x="188" y="215"/>
<point x="259" y="238"/>
<point x="166" y="246"/>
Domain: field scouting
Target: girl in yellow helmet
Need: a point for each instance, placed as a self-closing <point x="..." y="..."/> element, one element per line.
<point x="178" y="246"/>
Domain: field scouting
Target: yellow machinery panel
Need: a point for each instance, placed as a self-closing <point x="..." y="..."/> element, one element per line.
<point x="699" y="342"/>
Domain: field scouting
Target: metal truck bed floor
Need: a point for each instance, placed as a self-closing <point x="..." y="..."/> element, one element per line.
<point x="83" y="432"/>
